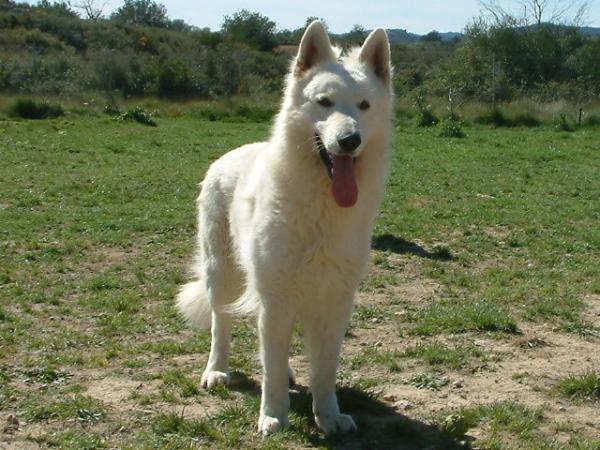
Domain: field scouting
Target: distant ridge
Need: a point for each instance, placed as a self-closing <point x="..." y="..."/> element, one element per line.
<point x="402" y="36"/>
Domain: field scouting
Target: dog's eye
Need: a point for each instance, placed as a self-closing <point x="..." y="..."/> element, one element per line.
<point x="364" y="105"/>
<point x="325" y="102"/>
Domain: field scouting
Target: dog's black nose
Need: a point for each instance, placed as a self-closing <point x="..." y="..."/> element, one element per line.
<point x="350" y="142"/>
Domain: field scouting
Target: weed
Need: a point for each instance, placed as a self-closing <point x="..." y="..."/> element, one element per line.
<point x="429" y="381"/>
<point x="140" y="115"/>
<point x="426" y="118"/>
<point x="581" y="387"/>
<point x="452" y="127"/>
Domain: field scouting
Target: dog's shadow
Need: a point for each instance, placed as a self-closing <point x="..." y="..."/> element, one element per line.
<point x="394" y="244"/>
<point x="379" y="425"/>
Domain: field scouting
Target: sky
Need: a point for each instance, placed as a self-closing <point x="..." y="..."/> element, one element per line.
<point x="414" y="16"/>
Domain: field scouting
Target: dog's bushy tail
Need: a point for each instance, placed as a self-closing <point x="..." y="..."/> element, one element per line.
<point x="193" y="304"/>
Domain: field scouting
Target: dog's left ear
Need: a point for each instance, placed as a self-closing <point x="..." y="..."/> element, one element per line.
<point x="375" y="52"/>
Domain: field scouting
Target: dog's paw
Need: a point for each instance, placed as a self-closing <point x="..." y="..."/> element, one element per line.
<point x="212" y="378"/>
<point x="268" y="425"/>
<point x="342" y="423"/>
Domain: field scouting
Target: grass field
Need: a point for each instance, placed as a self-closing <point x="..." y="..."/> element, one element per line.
<point x="477" y="327"/>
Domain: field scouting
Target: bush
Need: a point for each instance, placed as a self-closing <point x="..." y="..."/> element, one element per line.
<point x="426" y="118"/>
<point x="140" y="115"/>
<point x="254" y="113"/>
<point x="493" y="117"/>
<point x="526" y="120"/>
<point x="497" y="118"/>
<point x="564" y="124"/>
<point x="32" y="109"/>
<point x="592" y="121"/>
<point x="452" y="127"/>
<point x="240" y="113"/>
<point x="111" y="109"/>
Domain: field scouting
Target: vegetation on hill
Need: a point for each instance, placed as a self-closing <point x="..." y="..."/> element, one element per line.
<point x="50" y="50"/>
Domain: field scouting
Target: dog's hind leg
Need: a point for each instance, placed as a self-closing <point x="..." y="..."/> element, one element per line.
<point x="217" y="368"/>
<point x="222" y="288"/>
<point x="221" y="278"/>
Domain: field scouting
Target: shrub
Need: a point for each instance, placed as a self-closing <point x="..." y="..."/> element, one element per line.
<point x="452" y="127"/>
<point x="254" y="113"/>
<point x="592" y="121"/>
<point x="497" y="118"/>
<point x="140" y="115"/>
<point x="493" y="117"/>
<point x="240" y="113"/>
<point x="526" y="120"/>
<point x="111" y="109"/>
<point x="32" y="109"/>
<point x="426" y="118"/>
<point x="564" y="124"/>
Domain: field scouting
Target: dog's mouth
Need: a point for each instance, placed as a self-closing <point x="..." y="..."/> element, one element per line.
<point x="340" y="169"/>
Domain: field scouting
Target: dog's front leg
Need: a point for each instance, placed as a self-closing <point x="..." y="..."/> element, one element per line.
<point x="275" y="330"/>
<point x="324" y="338"/>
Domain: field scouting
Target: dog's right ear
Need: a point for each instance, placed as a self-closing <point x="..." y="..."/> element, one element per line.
<point x="315" y="47"/>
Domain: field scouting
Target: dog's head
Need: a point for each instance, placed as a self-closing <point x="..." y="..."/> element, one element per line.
<point x="342" y="101"/>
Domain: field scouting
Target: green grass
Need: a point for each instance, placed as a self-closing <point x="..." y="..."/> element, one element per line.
<point x="80" y="408"/>
<point x="430" y="381"/>
<point x="98" y="227"/>
<point x="185" y="385"/>
<point x="458" y="317"/>
<point x="440" y="355"/>
<point x="581" y="387"/>
<point x="73" y="440"/>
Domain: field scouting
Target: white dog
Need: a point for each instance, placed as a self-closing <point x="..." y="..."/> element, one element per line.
<point x="285" y="225"/>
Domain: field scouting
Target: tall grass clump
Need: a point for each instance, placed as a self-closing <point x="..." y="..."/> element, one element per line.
<point x="140" y="115"/>
<point x="586" y="386"/>
<point x="33" y="109"/>
<point x="426" y="118"/>
<point x="452" y="127"/>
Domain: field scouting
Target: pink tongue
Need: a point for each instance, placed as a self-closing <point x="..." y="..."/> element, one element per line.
<point x="344" y="188"/>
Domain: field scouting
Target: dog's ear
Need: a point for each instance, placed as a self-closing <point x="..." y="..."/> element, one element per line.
<point x="375" y="52"/>
<point x="315" y="47"/>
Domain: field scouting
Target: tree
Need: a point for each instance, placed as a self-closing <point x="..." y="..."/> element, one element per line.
<point x="311" y="19"/>
<point x="142" y="12"/>
<point x="564" y="12"/>
<point x="91" y="9"/>
<point x="61" y="8"/>
<point x="250" y="28"/>
<point x="432" y="36"/>
<point x="357" y="34"/>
